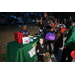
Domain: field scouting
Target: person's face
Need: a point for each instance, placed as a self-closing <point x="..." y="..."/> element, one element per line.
<point x="24" y="28"/>
<point x="41" y="41"/>
<point x="45" y="15"/>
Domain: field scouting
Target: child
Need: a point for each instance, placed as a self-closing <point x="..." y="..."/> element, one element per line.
<point x="58" y="41"/>
<point x="41" y="49"/>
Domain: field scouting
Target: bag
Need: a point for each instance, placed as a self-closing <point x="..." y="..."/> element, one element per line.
<point x="47" y="57"/>
<point x="73" y="54"/>
<point x="50" y="36"/>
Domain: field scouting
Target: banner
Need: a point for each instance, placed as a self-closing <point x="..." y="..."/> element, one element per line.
<point x="32" y="52"/>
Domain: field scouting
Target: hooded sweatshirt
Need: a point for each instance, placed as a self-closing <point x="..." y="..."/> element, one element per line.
<point x="70" y="41"/>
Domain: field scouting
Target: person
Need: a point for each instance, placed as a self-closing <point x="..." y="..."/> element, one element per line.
<point x="69" y="45"/>
<point x="59" y="41"/>
<point x="41" y="49"/>
<point x="47" y="28"/>
<point x="67" y="25"/>
<point x="61" y="25"/>
<point x="70" y="24"/>
<point x="25" y="31"/>
<point x="41" y="29"/>
<point x="44" y="22"/>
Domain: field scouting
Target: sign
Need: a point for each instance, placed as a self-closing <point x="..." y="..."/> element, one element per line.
<point x="34" y="45"/>
<point x="51" y="37"/>
<point x="32" y="52"/>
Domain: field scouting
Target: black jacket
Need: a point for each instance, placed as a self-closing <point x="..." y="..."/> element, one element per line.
<point x="42" y="49"/>
<point x="59" y="40"/>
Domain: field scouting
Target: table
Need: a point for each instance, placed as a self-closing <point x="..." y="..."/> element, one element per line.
<point x="21" y="52"/>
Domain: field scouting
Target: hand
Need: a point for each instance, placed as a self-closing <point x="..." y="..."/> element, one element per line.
<point x="31" y="34"/>
<point x="38" y="50"/>
<point x="41" y="21"/>
<point x="34" y="35"/>
<point x="65" y="47"/>
<point x="43" y="54"/>
<point x="51" y="30"/>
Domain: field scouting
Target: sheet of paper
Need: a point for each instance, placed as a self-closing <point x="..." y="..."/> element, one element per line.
<point x="32" y="52"/>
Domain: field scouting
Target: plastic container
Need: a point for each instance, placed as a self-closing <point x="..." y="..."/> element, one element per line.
<point x="30" y="38"/>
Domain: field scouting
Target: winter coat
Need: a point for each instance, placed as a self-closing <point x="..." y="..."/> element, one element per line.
<point x="70" y="41"/>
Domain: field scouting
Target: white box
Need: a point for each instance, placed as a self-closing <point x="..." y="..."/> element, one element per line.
<point x="25" y="40"/>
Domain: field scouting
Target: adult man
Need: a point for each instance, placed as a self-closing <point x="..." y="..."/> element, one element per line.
<point x="47" y="28"/>
<point x="25" y="31"/>
<point x="45" y="22"/>
<point x="69" y="45"/>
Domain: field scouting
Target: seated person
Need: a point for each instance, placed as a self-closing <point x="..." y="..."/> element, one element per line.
<point x="25" y="31"/>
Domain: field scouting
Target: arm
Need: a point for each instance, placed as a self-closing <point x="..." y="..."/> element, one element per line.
<point x="31" y="34"/>
<point x="55" y="24"/>
<point x="37" y="48"/>
<point x="70" y="39"/>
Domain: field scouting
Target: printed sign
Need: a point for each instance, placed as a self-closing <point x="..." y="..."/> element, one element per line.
<point x="51" y="37"/>
<point x="32" y="52"/>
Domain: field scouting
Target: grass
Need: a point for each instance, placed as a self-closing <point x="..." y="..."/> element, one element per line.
<point x="4" y="48"/>
<point x="8" y="34"/>
<point x="3" y="57"/>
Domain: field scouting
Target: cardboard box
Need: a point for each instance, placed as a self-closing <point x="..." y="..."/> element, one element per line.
<point x="25" y="40"/>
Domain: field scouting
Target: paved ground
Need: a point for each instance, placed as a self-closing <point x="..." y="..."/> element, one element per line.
<point x="57" y="57"/>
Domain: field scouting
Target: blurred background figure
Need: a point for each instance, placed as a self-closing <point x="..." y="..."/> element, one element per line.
<point x="67" y="25"/>
<point x="59" y="40"/>
<point x="69" y="45"/>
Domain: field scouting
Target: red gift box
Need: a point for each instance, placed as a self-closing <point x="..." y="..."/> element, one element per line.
<point x="18" y="36"/>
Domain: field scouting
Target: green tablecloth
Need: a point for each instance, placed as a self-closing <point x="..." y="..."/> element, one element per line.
<point x="20" y="52"/>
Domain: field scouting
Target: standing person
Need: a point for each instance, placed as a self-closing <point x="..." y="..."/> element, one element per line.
<point x="59" y="40"/>
<point x="41" y="29"/>
<point x="69" y="45"/>
<point x="45" y="23"/>
<point x="70" y="22"/>
<point x="41" y="49"/>
<point x="67" y="25"/>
